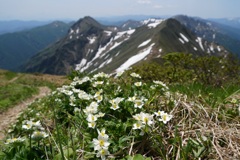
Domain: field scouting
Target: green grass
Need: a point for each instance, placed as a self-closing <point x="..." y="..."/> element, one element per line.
<point x="13" y="93"/>
<point x="17" y="87"/>
<point x="212" y="95"/>
<point x="10" y="75"/>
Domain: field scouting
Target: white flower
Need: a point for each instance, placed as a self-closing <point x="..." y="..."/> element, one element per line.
<point x="100" y="143"/>
<point x="98" y="97"/>
<point x="161" y="83"/>
<point x="159" y="113"/>
<point x="27" y="126"/>
<point x="76" y="110"/>
<point x="92" y="118"/>
<point x="76" y="90"/>
<point x="119" y="74"/>
<point x="13" y="140"/>
<point x="37" y="124"/>
<point x="98" y="92"/>
<point x="115" y="103"/>
<point x="138" y="84"/>
<point x="91" y="109"/>
<point x="58" y="100"/>
<point x="138" y="103"/>
<point x="153" y="86"/>
<point x="234" y="101"/>
<point x="102" y="153"/>
<point x="114" y="106"/>
<point x="69" y="93"/>
<point x="72" y="100"/>
<point x="37" y="135"/>
<point x="131" y="99"/>
<point x="83" y="95"/>
<point x="165" y="118"/>
<point x="102" y="75"/>
<point x="137" y="117"/>
<point x="100" y="114"/>
<point x="92" y="124"/>
<point x="147" y="119"/>
<point x="102" y="134"/>
<point x="77" y="81"/>
<point x="135" y="75"/>
<point x="30" y="124"/>
<point x="138" y="125"/>
<point x="95" y="84"/>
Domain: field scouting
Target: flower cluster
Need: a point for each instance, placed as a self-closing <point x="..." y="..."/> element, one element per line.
<point x="101" y="144"/>
<point x="14" y="140"/>
<point x="138" y="102"/>
<point x="121" y="108"/>
<point x="35" y="128"/>
<point x="92" y="114"/>
<point x="143" y="119"/>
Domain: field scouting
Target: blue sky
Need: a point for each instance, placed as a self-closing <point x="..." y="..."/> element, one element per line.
<point x="75" y="9"/>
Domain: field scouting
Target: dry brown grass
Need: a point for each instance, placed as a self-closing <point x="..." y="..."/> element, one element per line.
<point x="199" y="121"/>
<point x="31" y="79"/>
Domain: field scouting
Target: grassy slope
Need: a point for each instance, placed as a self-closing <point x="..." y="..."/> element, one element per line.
<point x="198" y="130"/>
<point x="15" y="87"/>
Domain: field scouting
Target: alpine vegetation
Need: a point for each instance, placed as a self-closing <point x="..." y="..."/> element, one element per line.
<point x="119" y="117"/>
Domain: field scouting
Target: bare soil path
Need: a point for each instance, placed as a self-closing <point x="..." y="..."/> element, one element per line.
<point x="8" y="117"/>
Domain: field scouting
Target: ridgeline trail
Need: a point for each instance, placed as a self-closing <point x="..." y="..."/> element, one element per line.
<point x="9" y="116"/>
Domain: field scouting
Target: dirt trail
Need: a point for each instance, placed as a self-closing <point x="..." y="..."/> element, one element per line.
<point x="8" y="117"/>
<point x="14" y="79"/>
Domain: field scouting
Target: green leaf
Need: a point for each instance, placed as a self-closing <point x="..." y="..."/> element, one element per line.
<point x="138" y="157"/>
<point x="66" y="152"/>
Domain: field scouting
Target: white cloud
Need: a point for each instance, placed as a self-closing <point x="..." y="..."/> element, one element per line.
<point x="144" y="1"/>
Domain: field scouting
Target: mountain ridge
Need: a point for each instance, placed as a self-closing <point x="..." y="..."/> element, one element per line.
<point x="90" y="46"/>
<point x="16" y="48"/>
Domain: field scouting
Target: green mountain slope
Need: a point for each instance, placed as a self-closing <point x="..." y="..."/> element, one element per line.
<point x="16" y="48"/>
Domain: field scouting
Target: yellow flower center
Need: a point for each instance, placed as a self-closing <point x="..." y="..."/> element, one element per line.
<point x="101" y="143"/>
<point x="164" y="117"/>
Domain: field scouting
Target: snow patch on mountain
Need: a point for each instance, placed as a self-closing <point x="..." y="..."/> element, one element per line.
<point x="81" y="64"/>
<point x="184" y="37"/>
<point x="71" y="31"/>
<point x="99" y="52"/>
<point x="91" y="39"/>
<point x="152" y="23"/>
<point x="144" y="43"/>
<point x="136" y="58"/>
<point x="199" y="40"/>
<point x="115" y="45"/>
<point x="120" y="34"/>
<point x="108" y="33"/>
<point x="77" y="31"/>
<point x="211" y="48"/>
<point x="105" y="63"/>
<point x="182" y="41"/>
